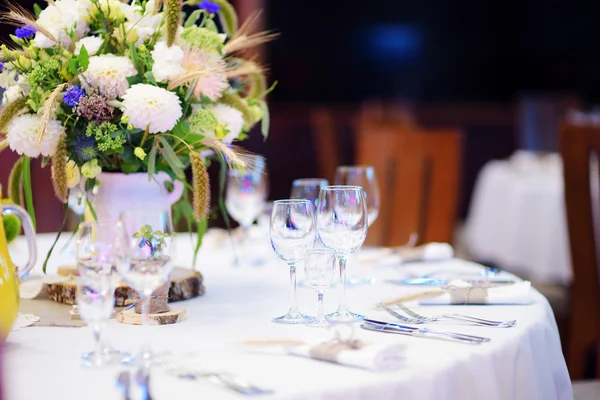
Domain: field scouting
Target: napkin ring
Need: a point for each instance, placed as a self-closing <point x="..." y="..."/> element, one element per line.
<point x="469" y="295"/>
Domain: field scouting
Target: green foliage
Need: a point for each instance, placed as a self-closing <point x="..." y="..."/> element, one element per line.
<point x="107" y="135"/>
<point x="26" y="176"/>
<point x="202" y="38"/>
<point x="266" y="121"/>
<point x="46" y="74"/>
<point x="228" y="17"/>
<point x="155" y="240"/>
<point x="203" y="120"/>
<point x="12" y="227"/>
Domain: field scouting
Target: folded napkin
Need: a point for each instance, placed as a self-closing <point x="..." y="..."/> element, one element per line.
<point x="378" y="358"/>
<point x="460" y="292"/>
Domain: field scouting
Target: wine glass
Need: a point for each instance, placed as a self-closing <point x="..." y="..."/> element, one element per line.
<point x="245" y="198"/>
<point x="308" y="189"/>
<point x="363" y="176"/>
<point x="318" y="272"/>
<point x="342" y="227"/>
<point x="293" y="235"/>
<point x="96" y="250"/>
<point x="147" y="260"/>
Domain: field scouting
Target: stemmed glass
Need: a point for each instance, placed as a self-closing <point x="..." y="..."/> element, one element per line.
<point x="342" y="227"/>
<point x="147" y="260"/>
<point x="363" y="176"/>
<point x="97" y="248"/>
<point x="293" y="235"/>
<point x="308" y="189"/>
<point x="318" y="271"/>
<point x="247" y="192"/>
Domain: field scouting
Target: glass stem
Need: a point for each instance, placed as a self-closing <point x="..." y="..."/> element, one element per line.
<point x="145" y="350"/>
<point x="321" y="316"/>
<point x="343" y="308"/>
<point x="97" y="328"/>
<point x="294" y="299"/>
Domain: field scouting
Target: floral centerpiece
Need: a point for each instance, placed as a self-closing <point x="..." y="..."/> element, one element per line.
<point x="95" y="86"/>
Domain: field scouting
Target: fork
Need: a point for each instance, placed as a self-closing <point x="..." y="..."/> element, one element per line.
<point x="417" y="318"/>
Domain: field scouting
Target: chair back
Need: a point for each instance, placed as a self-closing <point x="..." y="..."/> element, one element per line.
<point x="580" y="148"/>
<point x="419" y="176"/>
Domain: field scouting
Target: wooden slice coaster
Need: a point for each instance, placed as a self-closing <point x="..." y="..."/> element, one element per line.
<point x="185" y="284"/>
<point x="172" y="316"/>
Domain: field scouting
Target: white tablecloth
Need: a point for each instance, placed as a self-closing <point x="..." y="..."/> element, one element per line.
<point x="517" y="218"/>
<point x="524" y="362"/>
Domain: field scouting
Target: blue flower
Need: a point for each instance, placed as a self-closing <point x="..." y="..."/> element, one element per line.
<point x="1" y="67"/>
<point x="84" y="147"/>
<point x="73" y="95"/>
<point x="209" y="6"/>
<point x="25" y="32"/>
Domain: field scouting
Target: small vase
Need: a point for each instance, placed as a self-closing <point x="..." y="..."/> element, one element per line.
<point x="118" y="192"/>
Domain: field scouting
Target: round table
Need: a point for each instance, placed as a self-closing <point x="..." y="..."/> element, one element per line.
<point x="517" y="218"/>
<point x="522" y="362"/>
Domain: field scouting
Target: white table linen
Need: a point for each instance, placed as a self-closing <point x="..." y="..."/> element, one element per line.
<point x="517" y="218"/>
<point x="524" y="362"/>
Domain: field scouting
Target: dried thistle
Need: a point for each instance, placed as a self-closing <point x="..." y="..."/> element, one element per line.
<point x="48" y="111"/>
<point x="201" y="185"/>
<point x="244" y="38"/>
<point x="10" y="111"/>
<point x="173" y="20"/>
<point x="18" y="16"/>
<point x="59" y="171"/>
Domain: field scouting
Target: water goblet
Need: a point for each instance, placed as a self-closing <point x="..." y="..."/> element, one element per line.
<point x="308" y="189"/>
<point x="292" y="233"/>
<point x="246" y="194"/>
<point x="342" y="227"/>
<point x="319" y="269"/>
<point x="363" y="176"/>
<point x="146" y="261"/>
<point x="96" y="250"/>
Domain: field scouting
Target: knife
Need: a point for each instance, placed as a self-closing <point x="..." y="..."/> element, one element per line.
<point x="389" y="327"/>
<point x="446" y="282"/>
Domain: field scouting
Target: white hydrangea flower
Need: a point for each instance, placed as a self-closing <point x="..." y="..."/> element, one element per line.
<point x="60" y="17"/>
<point x="92" y="45"/>
<point x="144" y="24"/>
<point x="167" y="62"/>
<point x="108" y="73"/>
<point x="23" y="132"/>
<point x="230" y="118"/>
<point x="148" y="105"/>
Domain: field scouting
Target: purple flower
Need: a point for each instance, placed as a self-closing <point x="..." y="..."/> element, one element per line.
<point x="84" y="147"/>
<point x="73" y="96"/>
<point x="209" y="6"/>
<point x="1" y="67"/>
<point x="25" y="32"/>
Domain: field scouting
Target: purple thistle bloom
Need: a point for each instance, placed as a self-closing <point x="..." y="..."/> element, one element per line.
<point x="73" y="96"/>
<point x="84" y="147"/>
<point x="209" y="6"/>
<point x="25" y="32"/>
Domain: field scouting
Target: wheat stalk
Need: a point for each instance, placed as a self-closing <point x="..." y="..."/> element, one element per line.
<point x="47" y="112"/>
<point x="244" y="38"/>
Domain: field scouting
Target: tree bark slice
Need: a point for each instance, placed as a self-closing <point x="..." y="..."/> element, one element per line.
<point x="185" y="284"/>
<point x="173" y="316"/>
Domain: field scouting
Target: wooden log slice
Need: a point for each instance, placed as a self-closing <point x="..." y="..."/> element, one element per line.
<point x="173" y="316"/>
<point x="185" y="284"/>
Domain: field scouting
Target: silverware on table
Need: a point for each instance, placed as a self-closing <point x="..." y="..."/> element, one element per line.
<point x="226" y="379"/>
<point x="142" y="378"/>
<point x="423" y="320"/>
<point x="388" y="327"/>
<point x="424" y="281"/>
<point x="458" y="317"/>
<point x="123" y="383"/>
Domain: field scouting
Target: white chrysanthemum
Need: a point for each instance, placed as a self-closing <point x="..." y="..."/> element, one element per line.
<point x="230" y="118"/>
<point x="23" y="133"/>
<point x="8" y="76"/>
<point x="167" y="62"/>
<point x="144" y="24"/>
<point x="108" y="73"/>
<point x="60" y="17"/>
<point x="92" y="45"/>
<point x="151" y="105"/>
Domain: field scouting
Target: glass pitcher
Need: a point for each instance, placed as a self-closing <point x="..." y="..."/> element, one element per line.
<point x="10" y="274"/>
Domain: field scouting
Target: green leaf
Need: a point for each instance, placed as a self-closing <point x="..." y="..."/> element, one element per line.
<point x="60" y="231"/>
<point x="222" y="184"/>
<point x="193" y="18"/>
<point x="132" y="80"/>
<point x="73" y="65"/>
<point x="37" y="10"/>
<point x="83" y="58"/>
<point x="91" y="208"/>
<point x="151" y="163"/>
<point x="45" y="161"/>
<point x="150" y="78"/>
<point x="266" y="120"/>
<point x="202" y="228"/>
<point x="134" y="56"/>
<point x="130" y="167"/>
<point x="15" y="183"/>
<point x="228" y="17"/>
<point x="170" y="155"/>
<point x="26" y="171"/>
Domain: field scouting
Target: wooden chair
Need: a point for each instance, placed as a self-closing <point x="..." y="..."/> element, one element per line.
<point x="419" y="177"/>
<point x="577" y="144"/>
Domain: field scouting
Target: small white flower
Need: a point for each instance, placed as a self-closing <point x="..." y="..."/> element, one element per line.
<point x="92" y="45"/>
<point x="230" y="118"/>
<point x="23" y="132"/>
<point x="91" y="169"/>
<point x="11" y="94"/>
<point x="8" y="76"/>
<point x="144" y="25"/>
<point x="148" y="105"/>
<point x="60" y="17"/>
<point x="167" y="62"/>
<point x="73" y="174"/>
<point x="108" y="73"/>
